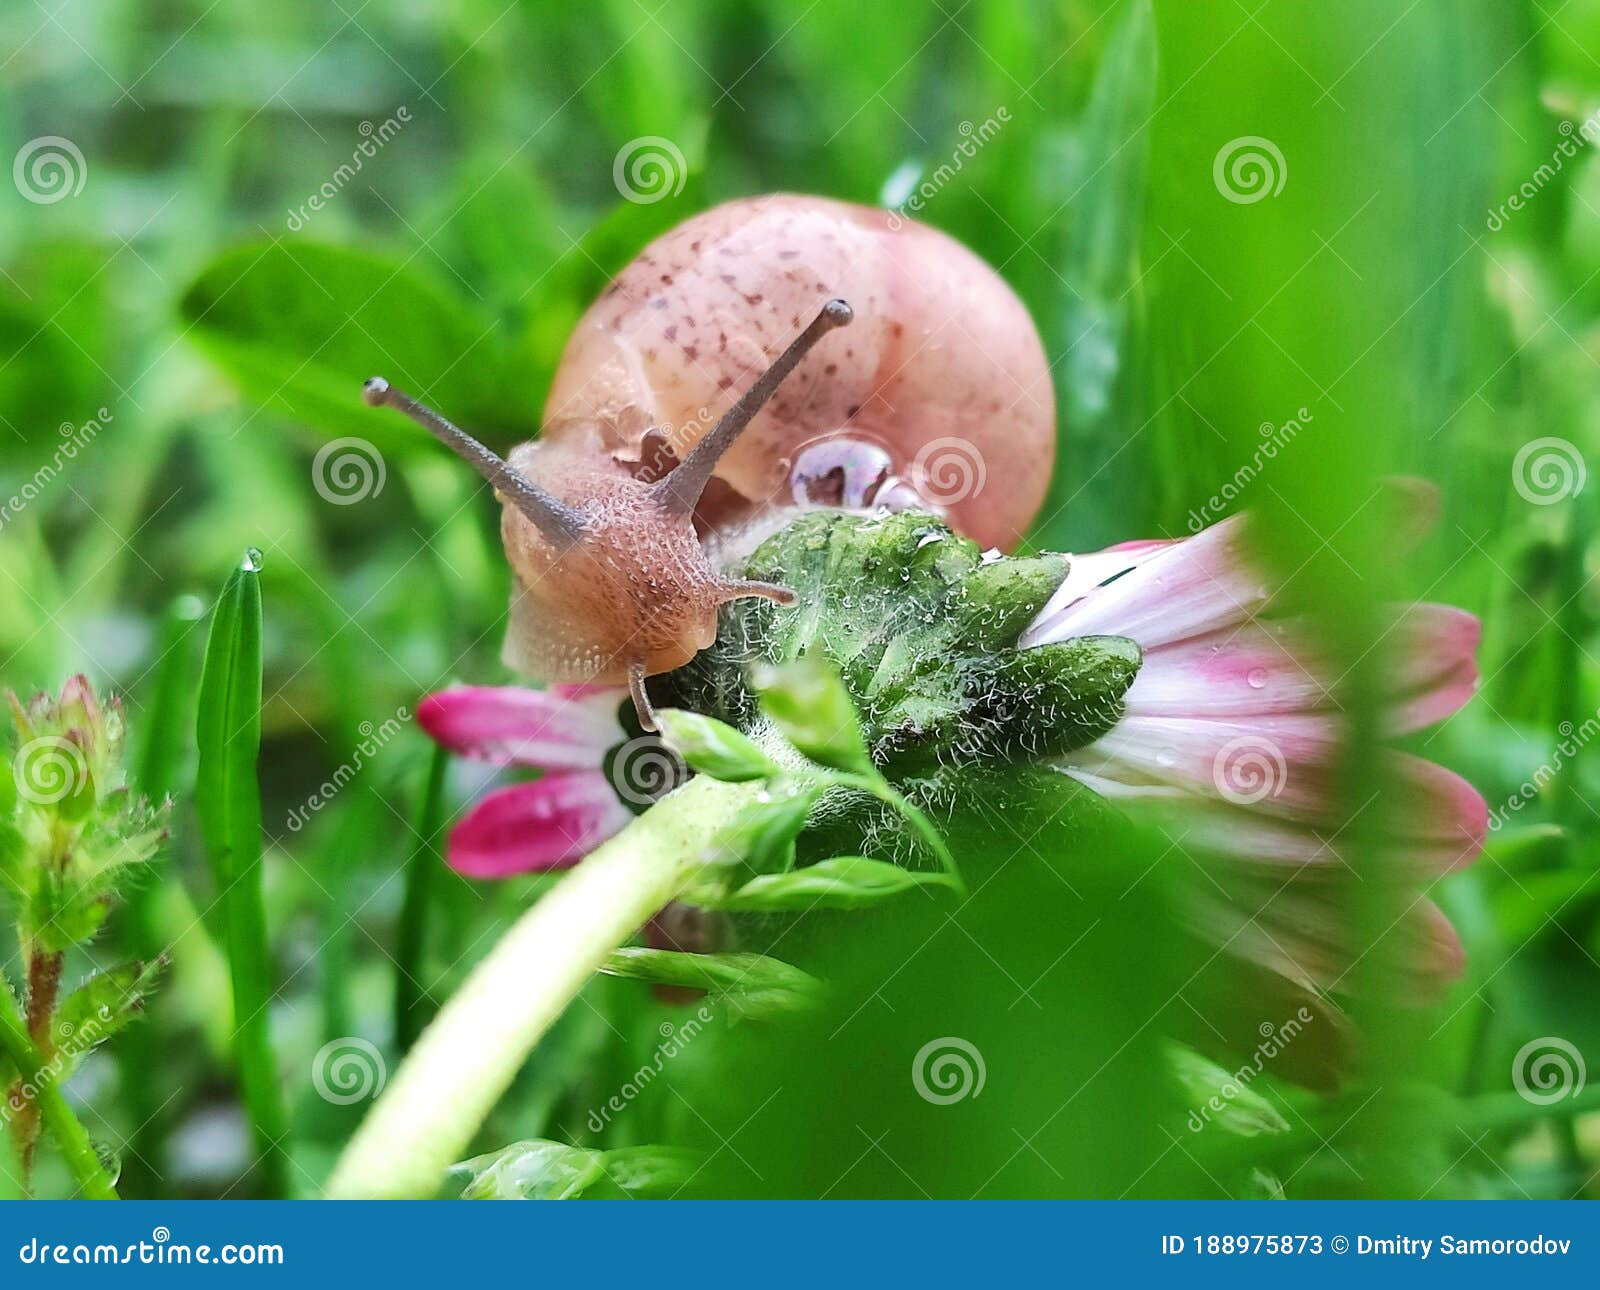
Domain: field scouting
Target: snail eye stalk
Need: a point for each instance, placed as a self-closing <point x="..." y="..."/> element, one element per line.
<point x="680" y="491"/>
<point x="560" y="523"/>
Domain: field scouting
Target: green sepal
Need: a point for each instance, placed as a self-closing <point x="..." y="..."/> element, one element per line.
<point x="808" y="703"/>
<point x="923" y="629"/>
<point x="843" y="882"/>
<point x="103" y="1005"/>
<point x="752" y="986"/>
<point x="542" y="1170"/>
<point x="766" y="830"/>
<point x="713" y="747"/>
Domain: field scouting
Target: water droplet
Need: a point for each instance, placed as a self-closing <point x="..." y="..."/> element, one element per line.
<point x="927" y="539"/>
<point x="1166" y="757"/>
<point x="252" y="561"/>
<point x="1257" y="678"/>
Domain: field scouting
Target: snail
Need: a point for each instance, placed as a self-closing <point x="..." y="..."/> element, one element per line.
<point x="611" y="518"/>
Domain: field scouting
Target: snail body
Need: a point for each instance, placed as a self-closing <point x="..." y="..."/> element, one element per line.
<point x="673" y="415"/>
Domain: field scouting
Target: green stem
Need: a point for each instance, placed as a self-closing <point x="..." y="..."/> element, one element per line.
<point x="880" y="788"/>
<point x="411" y="941"/>
<point x="64" y="1126"/>
<point x="472" y="1050"/>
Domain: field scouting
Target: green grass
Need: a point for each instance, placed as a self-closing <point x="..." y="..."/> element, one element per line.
<point x="227" y="799"/>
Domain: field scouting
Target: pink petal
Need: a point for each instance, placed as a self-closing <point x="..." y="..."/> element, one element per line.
<point x="1260" y="668"/>
<point x="1280" y="767"/>
<point x="506" y="724"/>
<point x="1301" y="930"/>
<point x="1170" y="592"/>
<point x="1439" y="811"/>
<point x="1437" y="668"/>
<point x="547" y="824"/>
<point x="1251" y="669"/>
<point x="1276" y="764"/>
<point x="1085" y="573"/>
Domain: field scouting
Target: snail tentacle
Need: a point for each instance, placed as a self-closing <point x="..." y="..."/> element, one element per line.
<point x="560" y="523"/>
<point x="680" y="490"/>
<point x="641" y="697"/>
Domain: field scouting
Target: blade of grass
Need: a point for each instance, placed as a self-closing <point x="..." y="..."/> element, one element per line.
<point x="426" y="825"/>
<point x="64" y="1126"/>
<point x="227" y="798"/>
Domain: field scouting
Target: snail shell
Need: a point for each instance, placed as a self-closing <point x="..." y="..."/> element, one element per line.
<point x="942" y="368"/>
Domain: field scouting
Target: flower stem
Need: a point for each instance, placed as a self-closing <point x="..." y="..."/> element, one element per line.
<point x="472" y="1050"/>
<point x="38" y="1086"/>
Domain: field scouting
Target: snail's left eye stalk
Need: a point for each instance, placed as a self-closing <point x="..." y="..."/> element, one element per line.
<point x="560" y="523"/>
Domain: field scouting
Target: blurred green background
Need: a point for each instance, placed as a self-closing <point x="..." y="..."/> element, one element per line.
<point x="173" y="283"/>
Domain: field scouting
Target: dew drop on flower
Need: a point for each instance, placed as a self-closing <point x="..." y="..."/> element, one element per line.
<point x="1257" y="678"/>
